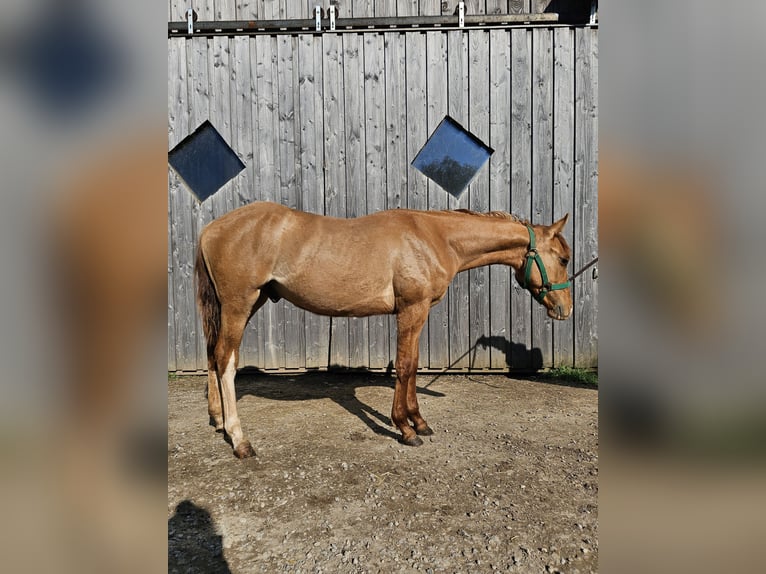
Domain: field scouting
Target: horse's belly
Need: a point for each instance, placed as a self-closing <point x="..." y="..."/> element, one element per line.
<point x="340" y="300"/>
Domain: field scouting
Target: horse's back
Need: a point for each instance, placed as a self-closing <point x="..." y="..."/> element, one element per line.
<point x="332" y="266"/>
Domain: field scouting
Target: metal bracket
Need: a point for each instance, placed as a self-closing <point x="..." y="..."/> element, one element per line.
<point x="332" y="16"/>
<point x="593" y="11"/>
<point x="190" y="18"/>
<point x="461" y="14"/>
<point x="318" y="17"/>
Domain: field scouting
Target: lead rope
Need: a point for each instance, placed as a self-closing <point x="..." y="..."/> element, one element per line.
<point x="580" y="272"/>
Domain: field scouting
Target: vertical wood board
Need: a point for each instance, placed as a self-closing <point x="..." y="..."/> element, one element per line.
<point x="563" y="169"/>
<point x="542" y="170"/>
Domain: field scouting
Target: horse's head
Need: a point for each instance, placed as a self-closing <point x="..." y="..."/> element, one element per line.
<point x="544" y="272"/>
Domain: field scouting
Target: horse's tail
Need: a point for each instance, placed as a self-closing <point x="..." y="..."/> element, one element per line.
<point x="208" y="305"/>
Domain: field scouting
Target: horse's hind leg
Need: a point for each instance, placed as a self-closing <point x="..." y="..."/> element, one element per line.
<point x="234" y="317"/>
<point x="214" y="404"/>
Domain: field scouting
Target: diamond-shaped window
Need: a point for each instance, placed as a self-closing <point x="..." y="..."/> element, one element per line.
<point x="452" y="156"/>
<point x="205" y="161"/>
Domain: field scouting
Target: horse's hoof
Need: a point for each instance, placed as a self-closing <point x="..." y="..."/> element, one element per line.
<point x="412" y="441"/>
<point x="425" y="430"/>
<point x="244" y="450"/>
<point x="218" y="426"/>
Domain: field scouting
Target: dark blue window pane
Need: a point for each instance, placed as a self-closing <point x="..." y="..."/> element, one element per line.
<point x="452" y="156"/>
<point x="205" y="161"/>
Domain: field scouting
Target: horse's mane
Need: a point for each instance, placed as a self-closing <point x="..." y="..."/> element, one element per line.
<point x="495" y="214"/>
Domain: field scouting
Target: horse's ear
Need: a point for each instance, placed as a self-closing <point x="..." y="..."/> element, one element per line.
<point x="558" y="227"/>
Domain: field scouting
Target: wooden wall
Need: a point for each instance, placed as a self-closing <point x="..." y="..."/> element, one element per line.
<point x="329" y="123"/>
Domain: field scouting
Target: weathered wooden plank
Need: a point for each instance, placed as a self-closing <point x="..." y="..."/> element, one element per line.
<point x="520" y="6"/>
<point x="219" y="71"/>
<point x="375" y="162"/>
<point x="172" y="366"/>
<point x="289" y="133"/>
<point x="270" y="9"/>
<point x="267" y="94"/>
<point x="246" y="9"/>
<point x="176" y="10"/>
<point x="563" y="168"/>
<point x="248" y="91"/>
<point x="438" y="320"/>
<point x="539" y="6"/>
<point x="335" y="168"/>
<point x="177" y="128"/>
<point x="396" y="121"/>
<point x="311" y="121"/>
<point x="356" y="181"/>
<point x="290" y="193"/>
<point x="294" y="9"/>
<point x="362" y="9"/>
<point x="407" y="8"/>
<point x="220" y="74"/>
<point x="586" y="195"/>
<point x="500" y="277"/>
<point x="396" y="137"/>
<point x="242" y="93"/>
<point x="205" y="9"/>
<point x="385" y="8"/>
<point x="521" y="184"/>
<point x="457" y="102"/>
<point x="497" y="7"/>
<point x="198" y="54"/>
<point x="430" y="8"/>
<point x="542" y="164"/>
<point x="475" y="6"/>
<point x="417" y="186"/>
<point x="353" y="101"/>
<point x="224" y="10"/>
<point x="478" y="193"/>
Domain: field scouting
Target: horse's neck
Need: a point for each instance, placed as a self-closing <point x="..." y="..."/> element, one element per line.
<point x="480" y="241"/>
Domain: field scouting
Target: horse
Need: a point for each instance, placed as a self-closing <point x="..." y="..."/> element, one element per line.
<point x="398" y="261"/>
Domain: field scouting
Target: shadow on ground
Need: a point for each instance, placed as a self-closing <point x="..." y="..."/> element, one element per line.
<point x="194" y="545"/>
<point x="338" y="385"/>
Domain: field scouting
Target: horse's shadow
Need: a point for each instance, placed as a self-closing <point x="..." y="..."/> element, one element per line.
<point x="340" y="384"/>
<point x="518" y="356"/>
<point x="337" y="384"/>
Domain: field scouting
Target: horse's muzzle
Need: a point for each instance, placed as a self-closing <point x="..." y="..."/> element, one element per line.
<point x="559" y="312"/>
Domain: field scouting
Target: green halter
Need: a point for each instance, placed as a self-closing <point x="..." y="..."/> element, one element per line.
<point x="533" y="255"/>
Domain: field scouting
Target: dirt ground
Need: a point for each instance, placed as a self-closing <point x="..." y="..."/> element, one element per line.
<point x="508" y="482"/>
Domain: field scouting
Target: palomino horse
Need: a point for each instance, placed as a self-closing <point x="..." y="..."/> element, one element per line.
<point x="398" y="261"/>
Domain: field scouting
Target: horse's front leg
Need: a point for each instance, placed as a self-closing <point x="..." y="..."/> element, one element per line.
<point x="410" y="321"/>
<point x="413" y="409"/>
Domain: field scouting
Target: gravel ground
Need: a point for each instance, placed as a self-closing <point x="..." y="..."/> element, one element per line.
<point x="508" y="482"/>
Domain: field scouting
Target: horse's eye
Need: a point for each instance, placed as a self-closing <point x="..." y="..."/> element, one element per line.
<point x="564" y="261"/>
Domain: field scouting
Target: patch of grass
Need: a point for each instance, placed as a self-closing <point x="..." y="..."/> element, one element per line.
<point x="573" y="375"/>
